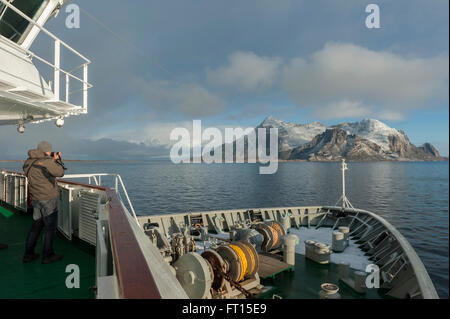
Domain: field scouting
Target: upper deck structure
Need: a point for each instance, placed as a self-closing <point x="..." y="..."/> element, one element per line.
<point x="36" y="88"/>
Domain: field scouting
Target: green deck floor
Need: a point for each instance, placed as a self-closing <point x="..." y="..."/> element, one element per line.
<point x="35" y="280"/>
<point x="304" y="282"/>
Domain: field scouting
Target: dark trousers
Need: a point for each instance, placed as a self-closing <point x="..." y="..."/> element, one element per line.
<point x="48" y="223"/>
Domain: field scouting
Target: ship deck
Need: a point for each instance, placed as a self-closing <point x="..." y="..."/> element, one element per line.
<point x="35" y="280"/>
<point x="304" y="282"/>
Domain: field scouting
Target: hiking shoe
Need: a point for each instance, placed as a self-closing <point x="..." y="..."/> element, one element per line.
<point x="51" y="259"/>
<point x="3" y="246"/>
<point x="28" y="258"/>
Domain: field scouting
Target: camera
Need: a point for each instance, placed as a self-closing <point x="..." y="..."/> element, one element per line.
<point x="58" y="159"/>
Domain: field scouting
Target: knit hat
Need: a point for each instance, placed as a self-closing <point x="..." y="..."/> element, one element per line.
<point x="44" y="147"/>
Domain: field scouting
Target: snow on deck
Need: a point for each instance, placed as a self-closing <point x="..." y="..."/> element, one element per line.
<point x="352" y="254"/>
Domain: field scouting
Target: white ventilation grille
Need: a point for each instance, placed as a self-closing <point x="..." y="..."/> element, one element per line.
<point x="65" y="212"/>
<point x="2" y="187"/>
<point x="13" y="190"/>
<point x="89" y="208"/>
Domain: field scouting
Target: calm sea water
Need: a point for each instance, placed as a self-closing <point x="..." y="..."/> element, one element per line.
<point x="414" y="197"/>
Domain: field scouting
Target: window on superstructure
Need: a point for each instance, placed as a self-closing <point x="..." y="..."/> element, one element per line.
<point x="15" y="27"/>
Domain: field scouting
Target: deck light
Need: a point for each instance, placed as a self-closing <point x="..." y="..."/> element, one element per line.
<point x="59" y="122"/>
<point x="20" y="128"/>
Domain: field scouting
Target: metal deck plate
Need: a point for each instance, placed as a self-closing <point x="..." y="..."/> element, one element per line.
<point x="271" y="265"/>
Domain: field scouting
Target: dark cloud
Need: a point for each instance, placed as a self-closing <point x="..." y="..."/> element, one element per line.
<point x="73" y="147"/>
<point x="187" y="37"/>
<point x="173" y="98"/>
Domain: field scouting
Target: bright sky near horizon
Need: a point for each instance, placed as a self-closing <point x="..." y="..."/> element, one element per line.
<point x="232" y="63"/>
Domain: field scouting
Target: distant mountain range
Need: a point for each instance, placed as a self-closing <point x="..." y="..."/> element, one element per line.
<point x="367" y="140"/>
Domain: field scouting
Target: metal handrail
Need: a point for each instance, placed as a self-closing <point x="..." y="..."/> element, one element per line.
<point x="422" y="276"/>
<point x="23" y="15"/>
<point x="56" y="65"/>
<point x="97" y="178"/>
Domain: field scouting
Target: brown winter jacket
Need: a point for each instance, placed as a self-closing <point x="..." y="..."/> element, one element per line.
<point x="42" y="171"/>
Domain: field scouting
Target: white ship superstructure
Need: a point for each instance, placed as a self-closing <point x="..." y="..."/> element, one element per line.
<point x="26" y="94"/>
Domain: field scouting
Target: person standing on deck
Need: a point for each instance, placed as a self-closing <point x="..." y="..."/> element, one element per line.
<point x="41" y="168"/>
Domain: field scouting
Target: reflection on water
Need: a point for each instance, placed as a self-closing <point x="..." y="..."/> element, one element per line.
<point x="411" y="196"/>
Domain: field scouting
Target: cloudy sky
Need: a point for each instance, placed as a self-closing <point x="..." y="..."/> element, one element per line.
<point x="233" y="63"/>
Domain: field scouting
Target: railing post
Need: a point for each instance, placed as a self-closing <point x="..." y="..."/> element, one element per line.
<point x="67" y="88"/>
<point x="57" y="67"/>
<point x="128" y="198"/>
<point x="85" y="86"/>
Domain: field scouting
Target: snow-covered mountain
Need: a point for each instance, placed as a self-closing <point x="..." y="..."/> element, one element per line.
<point x="335" y="144"/>
<point x="292" y="135"/>
<point x="369" y="139"/>
<point x="374" y="131"/>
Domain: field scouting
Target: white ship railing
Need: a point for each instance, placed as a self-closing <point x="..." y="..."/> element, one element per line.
<point x="14" y="186"/>
<point x="13" y="190"/>
<point x="97" y="179"/>
<point x="56" y="65"/>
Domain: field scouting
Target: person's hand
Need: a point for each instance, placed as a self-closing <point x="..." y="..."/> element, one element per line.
<point x="57" y="155"/>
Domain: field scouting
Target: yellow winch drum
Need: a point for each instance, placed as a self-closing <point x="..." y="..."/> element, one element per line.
<point x="242" y="259"/>
<point x="251" y="255"/>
